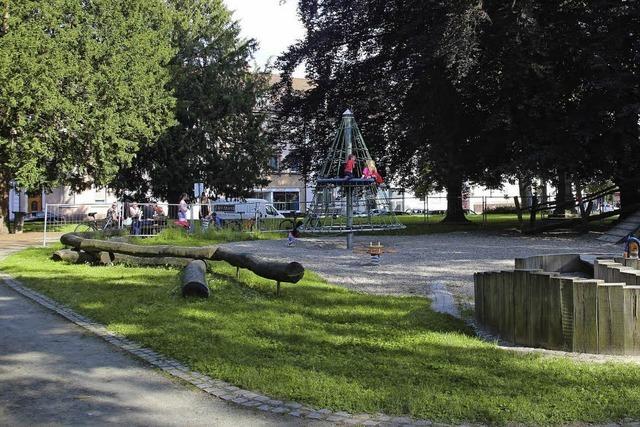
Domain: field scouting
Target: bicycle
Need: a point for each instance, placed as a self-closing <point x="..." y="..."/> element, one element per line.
<point x="93" y="224"/>
<point x="288" y="224"/>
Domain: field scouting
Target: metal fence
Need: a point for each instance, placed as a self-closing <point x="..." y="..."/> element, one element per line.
<point x="148" y="219"/>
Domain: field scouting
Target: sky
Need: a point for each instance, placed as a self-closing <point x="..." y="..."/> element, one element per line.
<point x="275" y="26"/>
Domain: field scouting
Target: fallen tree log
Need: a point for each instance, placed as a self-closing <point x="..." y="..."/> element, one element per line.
<point x="138" y="261"/>
<point x="104" y="258"/>
<point x="194" y="279"/>
<point x="74" y="257"/>
<point x="290" y="272"/>
<point x="95" y="245"/>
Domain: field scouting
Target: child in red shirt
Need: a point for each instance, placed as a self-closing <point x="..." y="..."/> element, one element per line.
<point x="348" y="167"/>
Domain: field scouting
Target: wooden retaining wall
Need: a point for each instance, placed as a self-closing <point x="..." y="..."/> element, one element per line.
<point x="537" y="308"/>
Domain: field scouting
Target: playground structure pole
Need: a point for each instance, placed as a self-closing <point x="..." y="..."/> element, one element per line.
<point x="347" y="117"/>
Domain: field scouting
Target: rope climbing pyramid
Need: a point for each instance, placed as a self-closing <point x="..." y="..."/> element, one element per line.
<point x="349" y="195"/>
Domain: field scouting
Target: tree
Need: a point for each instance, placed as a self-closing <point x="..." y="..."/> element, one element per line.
<point x="401" y="66"/>
<point x="568" y="89"/>
<point x="218" y="138"/>
<point x="82" y="88"/>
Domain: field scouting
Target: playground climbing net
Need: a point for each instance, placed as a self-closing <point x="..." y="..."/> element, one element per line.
<point x="357" y="202"/>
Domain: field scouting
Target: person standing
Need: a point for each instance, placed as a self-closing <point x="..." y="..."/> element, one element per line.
<point x="183" y="208"/>
<point x="136" y="215"/>
<point x="204" y="205"/>
<point x="112" y="217"/>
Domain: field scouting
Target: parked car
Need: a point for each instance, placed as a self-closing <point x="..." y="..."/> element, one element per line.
<point x="39" y="216"/>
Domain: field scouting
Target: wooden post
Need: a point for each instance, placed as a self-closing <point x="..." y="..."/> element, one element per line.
<point x="585" y="316"/>
<point x="631" y="320"/>
<point x="478" y="289"/>
<point x="555" y="338"/>
<point x="566" y="307"/>
<point x="610" y="318"/>
<point x="507" y="327"/>
<point x="277" y="288"/>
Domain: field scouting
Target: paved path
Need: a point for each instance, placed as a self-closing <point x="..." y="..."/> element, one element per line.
<point x="55" y="373"/>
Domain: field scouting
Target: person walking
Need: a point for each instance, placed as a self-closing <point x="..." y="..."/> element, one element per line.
<point x="183" y="208"/>
<point x="136" y="216"/>
<point x="204" y="205"/>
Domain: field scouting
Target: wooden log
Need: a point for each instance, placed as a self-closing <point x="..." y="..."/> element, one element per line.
<point x="151" y="262"/>
<point x="522" y="305"/>
<point x="566" y="308"/>
<point x="555" y="338"/>
<point x="507" y="327"/>
<point x="203" y="252"/>
<point x="290" y="272"/>
<point x="633" y="263"/>
<point x="478" y="282"/>
<point x="600" y="268"/>
<point x="585" y="318"/>
<point x="81" y="257"/>
<point x="631" y="320"/>
<point x="194" y="279"/>
<point x="610" y="274"/>
<point x="610" y="318"/>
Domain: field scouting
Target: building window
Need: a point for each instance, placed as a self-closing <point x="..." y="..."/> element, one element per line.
<point x="274" y="163"/>
<point x="101" y="195"/>
<point x="286" y="200"/>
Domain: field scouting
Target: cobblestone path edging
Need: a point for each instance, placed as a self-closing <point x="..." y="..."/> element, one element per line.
<point x="217" y="388"/>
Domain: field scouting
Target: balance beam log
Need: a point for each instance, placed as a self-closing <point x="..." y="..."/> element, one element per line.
<point x="290" y="272"/>
<point x="194" y="279"/>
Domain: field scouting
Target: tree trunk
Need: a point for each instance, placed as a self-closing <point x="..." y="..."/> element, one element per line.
<point x="543" y="196"/>
<point x="455" y="212"/>
<point x="524" y="188"/>
<point x="564" y="196"/>
<point x="629" y="196"/>
<point x="4" y="208"/>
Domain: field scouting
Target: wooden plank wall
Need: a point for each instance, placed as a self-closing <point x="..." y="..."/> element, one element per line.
<point x="531" y="307"/>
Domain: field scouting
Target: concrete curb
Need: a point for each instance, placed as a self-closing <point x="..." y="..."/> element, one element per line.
<point x="217" y="388"/>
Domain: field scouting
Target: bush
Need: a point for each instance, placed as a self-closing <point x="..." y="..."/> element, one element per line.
<point x="502" y="210"/>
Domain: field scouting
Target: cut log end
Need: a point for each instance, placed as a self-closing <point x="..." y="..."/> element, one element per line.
<point x="194" y="280"/>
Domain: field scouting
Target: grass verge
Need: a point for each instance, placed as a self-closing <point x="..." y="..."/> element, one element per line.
<point x="330" y="347"/>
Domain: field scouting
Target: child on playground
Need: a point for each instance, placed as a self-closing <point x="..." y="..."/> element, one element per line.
<point x="349" y="166"/>
<point x="293" y="234"/>
<point x="371" y="172"/>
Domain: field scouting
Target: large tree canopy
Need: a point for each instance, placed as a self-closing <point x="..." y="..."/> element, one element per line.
<point x="218" y="139"/>
<point x="82" y="88"/>
<point x="447" y="92"/>
<point x="400" y="65"/>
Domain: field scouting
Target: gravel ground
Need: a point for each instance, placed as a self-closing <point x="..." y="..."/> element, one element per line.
<point x="439" y="266"/>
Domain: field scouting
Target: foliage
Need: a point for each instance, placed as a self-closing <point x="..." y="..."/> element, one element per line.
<point x="329" y="347"/>
<point x="447" y="92"/>
<point x="218" y="139"/>
<point x="210" y="236"/>
<point x="82" y="88"/>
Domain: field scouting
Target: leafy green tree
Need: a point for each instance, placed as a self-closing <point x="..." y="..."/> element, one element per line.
<point x="401" y="67"/>
<point x="82" y="89"/>
<point x="219" y="138"/>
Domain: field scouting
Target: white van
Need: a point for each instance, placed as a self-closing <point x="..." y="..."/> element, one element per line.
<point x="244" y="209"/>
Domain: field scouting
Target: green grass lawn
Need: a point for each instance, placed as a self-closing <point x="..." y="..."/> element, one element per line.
<point x="211" y="236"/>
<point x="329" y="347"/>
